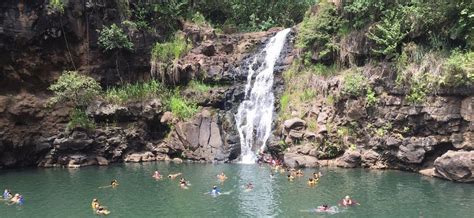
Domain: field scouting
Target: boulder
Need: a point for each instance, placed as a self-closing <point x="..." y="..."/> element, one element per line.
<point x="456" y="166"/>
<point x="167" y="118"/>
<point x="350" y="159"/>
<point x="463" y="140"/>
<point x="298" y="160"/>
<point x="177" y="160"/>
<point x="355" y="109"/>
<point x="294" y="124"/>
<point x="411" y="153"/>
<point x="140" y="157"/>
<point x="102" y="161"/>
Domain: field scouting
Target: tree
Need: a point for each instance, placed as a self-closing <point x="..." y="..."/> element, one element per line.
<point x="76" y="88"/>
<point x="114" y="39"/>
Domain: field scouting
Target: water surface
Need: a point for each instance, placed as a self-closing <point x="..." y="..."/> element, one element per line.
<point x="68" y="192"/>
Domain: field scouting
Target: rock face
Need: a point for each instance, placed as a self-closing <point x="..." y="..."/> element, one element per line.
<point x="456" y="166"/>
<point x="298" y="160"/>
<point x="31" y="133"/>
<point x="390" y="134"/>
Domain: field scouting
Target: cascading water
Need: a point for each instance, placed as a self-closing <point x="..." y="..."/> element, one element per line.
<point x="255" y="114"/>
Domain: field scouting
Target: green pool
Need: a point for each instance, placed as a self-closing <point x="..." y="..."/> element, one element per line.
<point x="68" y="192"/>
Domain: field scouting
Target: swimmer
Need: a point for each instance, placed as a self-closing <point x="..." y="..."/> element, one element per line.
<point x="347" y="201"/>
<point x="311" y="182"/>
<point x="249" y="187"/>
<point x="326" y="209"/>
<point x="7" y="195"/>
<point x="114" y="183"/>
<point x="317" y="175"/>
<point x="173" y="176"/>
<point x="157" y="175"/>
<point x="299" y="173"/>
<point x="290" y="177"/>
<point x="16" y="199"/>
<point x="183" y="183"/>
<point x="222" y="177"/>
<point x="214" y="191"/>
<point x="102" y="211"/>
<point x="95" y="204"/>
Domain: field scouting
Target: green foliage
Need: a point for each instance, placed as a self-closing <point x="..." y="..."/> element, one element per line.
<point x="135" y="92"/>
<point x="199" y="86"/>
<point x="354" y="83"/>
<point x="370" y="98"/>
<point x="56" y="5"/>
<point x="388" y="34"/>
<point x="169" y="51"/>
<point x="74" y="87"/>
<point x="363" y="12"/>
<point x="284" y="100"/>
<point x="320" y="30"/>
<point x="181" y="107"/>
<point x="332" y="150"/>
<point x="199" y="19"/>
<point x="323" y="70"/>
<point x="79" y="118"/>
<point x="307" y="95"/>
<point x="113" y="37"/>
<point x="459" y="70"/>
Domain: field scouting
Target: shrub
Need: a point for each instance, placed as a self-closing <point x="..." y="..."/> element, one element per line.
<point x="79" y="118"/>
<point x="362" y="12"/>
<point x="370" y="98"/>
<point x="354" y="83"/>
<point x="319" y="31"/>
<point x="388" y="34"/>
<point x="113" y="37"/>
<point x="199" y="86"/>
<point x="74" y="87"/>
<point x="181" y="107"/>
<point x="135" y="92"/>
<point x="163" y="56"/>
<point x="199" y="19"/>
<point x="56" y="5"/>
<point x="459" y="69"/>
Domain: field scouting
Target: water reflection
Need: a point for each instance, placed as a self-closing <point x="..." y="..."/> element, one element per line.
<point x="261" y="200"/>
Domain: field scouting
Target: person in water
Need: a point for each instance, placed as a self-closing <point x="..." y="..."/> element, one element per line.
<point x="290" y="177"/>
<point x="347" y="201"/>
<point x="17" y="199"/>
<point x="324" y="207"/>
<point x="215" y="191"/>
<point x="102" y="211"/>
<point x="249" y="186"/>
<point x="95" y="204"/>
<point x="7" y="195"/>
<point x="311" y="182"/>
<point x="157" y="175"/>
<point x="222" y="177"/>
<point x="173" y="176"/>
<point x="183" y="183"/>
<point x="114" y="183"/>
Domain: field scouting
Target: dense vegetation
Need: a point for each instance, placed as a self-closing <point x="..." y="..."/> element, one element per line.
<point x="429" y="43"/>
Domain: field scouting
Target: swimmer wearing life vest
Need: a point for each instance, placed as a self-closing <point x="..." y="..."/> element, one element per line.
<point x="311" y="182"/>
<point x="95" y="204"/>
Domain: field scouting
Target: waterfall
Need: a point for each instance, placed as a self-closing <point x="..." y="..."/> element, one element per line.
<point x="255" y="114"/>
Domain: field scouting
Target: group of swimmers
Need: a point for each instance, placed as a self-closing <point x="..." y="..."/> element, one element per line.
<point x="98" y="208"/>
<point x="12" y="199"/>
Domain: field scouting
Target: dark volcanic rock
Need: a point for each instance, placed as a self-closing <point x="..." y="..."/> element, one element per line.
<point x="456" y="166"/>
